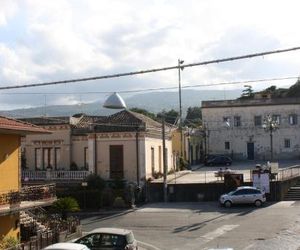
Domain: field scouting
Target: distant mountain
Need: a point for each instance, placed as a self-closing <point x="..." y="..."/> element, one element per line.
<point x="153" y="102"/>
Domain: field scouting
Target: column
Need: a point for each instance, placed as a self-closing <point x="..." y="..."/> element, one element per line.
<point x="92" y="153"/>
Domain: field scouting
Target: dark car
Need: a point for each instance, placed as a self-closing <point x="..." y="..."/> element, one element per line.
<point x="218" y="160"/>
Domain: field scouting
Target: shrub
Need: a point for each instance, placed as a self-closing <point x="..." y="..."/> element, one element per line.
<point x="65" y="205"/>
<point x="73" y="166"/>
<point x="157" y="175"/>
<point x="95" y="182"/>
<point x="119" y="202"/>
<point x="8" y="242"/>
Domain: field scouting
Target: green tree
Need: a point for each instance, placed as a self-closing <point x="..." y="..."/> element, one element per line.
<point x="144" y="112"/>
<point x="65" y="205"/>
<point x="170" y="116"/>
<point x="193" y="117"/>
<point x="247" y="92"/>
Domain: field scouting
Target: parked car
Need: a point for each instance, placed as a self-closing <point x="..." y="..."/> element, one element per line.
<point x="243" y="195"/>
<point x="67" y="246"/>
<point x="213" y="160"/>
<point x="109" y="238"/>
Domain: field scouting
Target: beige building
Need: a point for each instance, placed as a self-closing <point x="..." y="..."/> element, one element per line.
<point x="235" y="128"/>
<point x="126" y="145"/>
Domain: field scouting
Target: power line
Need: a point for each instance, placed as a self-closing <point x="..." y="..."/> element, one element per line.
<point x="151" y="70"/>
<point x="156" y="89"/>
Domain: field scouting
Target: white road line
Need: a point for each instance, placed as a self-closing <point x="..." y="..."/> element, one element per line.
<point x="208" y="237"/>
<point x="218" y="232"/>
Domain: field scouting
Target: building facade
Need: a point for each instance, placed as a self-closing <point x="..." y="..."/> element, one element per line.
<point x="238" y="128"/>
<point x="13" y="197"/>
<point x="125" y="145"/>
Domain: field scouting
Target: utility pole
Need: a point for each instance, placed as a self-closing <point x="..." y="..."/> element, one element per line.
<point x="164" y="161"/>
<point x="180" y="106"/>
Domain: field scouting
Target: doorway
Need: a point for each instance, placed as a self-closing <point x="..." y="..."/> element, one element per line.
<point x="116" y="161"/>
<point x="250" y="150"/>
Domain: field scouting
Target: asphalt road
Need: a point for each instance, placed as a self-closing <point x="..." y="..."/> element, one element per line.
<point x="206" y="225"/>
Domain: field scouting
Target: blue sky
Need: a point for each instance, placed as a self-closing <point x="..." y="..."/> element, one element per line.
<point x="60" y="39"/>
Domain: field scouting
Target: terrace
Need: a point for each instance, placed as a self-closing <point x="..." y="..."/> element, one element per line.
<point x="27" y="197"/>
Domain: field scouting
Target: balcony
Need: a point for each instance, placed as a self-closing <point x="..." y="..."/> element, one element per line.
<point x="27" y="197"/>
<point x="32" y="175"/>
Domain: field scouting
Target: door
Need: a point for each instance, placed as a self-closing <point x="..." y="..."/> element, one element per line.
<point x="250" y="151"/>
<point x="116" y="161"/>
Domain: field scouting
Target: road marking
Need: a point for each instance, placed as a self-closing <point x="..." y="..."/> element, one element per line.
<point x="283" y="204"/>
<point x="208" y="237"/>
<point x="218" y="232"/>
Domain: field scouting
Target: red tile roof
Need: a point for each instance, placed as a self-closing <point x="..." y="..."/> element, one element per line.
<point x="9" y="124"/>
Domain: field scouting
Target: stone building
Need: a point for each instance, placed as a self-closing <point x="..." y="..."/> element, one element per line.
<point x="236" y="128"/>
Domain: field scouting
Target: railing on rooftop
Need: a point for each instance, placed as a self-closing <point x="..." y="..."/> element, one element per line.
<point x="28" y="193"/>
<point x="31" y="175"/>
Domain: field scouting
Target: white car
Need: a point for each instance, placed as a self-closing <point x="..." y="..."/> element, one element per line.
<point x="109" y="238"/>
<point x="243" y="195"/>
<point x="67" y="246"/>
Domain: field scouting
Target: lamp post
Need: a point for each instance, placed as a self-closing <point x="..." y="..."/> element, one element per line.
<point x="180" y="106"/>
<point x="270" y="126"/>
<point x="115" y="101"/>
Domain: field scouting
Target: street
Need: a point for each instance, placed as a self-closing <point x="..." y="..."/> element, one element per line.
<point x="206" y="225"/>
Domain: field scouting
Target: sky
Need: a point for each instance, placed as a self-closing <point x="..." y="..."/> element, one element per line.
<point x="54" y="40"/>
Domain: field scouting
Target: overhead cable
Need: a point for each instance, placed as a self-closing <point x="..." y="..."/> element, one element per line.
<point x="150" y="70"/>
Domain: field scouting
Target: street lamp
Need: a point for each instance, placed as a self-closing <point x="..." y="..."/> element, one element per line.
<point x="115" y="101"/>
<point x="180" y="106"/>
<point x="270" y="126"/>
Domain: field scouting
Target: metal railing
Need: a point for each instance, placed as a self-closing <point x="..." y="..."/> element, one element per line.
<point x="29" y="175"/>
<point x="28" y="193"/>
<point x="289" y="173"/>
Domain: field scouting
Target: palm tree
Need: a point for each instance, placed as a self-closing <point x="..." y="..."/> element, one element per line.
<point x="65" y="205"/>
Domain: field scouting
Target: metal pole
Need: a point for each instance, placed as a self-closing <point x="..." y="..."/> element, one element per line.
<point x="271" y="143"/>
<point x="137" y="157"/>
<point x="180" y="108"/>
<point x="164" y="161"/>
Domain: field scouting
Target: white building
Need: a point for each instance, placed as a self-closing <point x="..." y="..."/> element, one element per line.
<point x="125" y="145"/>
<point x="235" y="128"/>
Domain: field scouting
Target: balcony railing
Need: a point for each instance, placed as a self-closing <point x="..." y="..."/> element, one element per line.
<point x="31" y="175"/>
<point x="28" y="193"/>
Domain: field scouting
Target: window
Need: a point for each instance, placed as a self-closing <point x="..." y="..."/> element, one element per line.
<point x="287" y="143"/>
<point x="152" y="161"/>
<point x="56" y="158"/>
<point x="237" y="121"/>
<point x="86" y="158"/>
<point x="293" y="119"/>
<point x="47" y="158"/>
<point x="37" y="158"/>
<point x="159" y="159"/>
<point x="227" y="145"/>
<point x="276" y="118"/>
<point x="226" y="120"/>
<point x="257" y="121"/>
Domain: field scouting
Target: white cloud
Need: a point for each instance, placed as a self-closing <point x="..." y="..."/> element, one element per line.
<point x="63" y="39"/>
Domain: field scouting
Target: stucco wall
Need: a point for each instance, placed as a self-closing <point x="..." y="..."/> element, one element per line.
<point x="129" y="154"/>
<point x="79" y="143"/>
<point x="156" y="144"/>
<point x="238" y="137"/>
<point x="9" y="162"/>
<point x="9" y="225"/>
<point x="60" y="138"/>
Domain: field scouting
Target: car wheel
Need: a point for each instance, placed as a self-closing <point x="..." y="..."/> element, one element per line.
<point x="258" y="203"/>
<point x="227" y="204"/>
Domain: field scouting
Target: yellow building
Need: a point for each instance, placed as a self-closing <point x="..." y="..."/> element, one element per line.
<point x="180" y="147"/>
<point x="14" y="198"/>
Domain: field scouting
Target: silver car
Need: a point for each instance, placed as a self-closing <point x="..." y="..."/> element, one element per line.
<point x="243" y="195"/>
<point x="109" y="239"/>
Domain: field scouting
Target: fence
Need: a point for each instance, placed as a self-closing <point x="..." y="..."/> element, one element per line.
<point x="31" y="175"/>
<point x="28" y="193"/>
<point x="289" y="173"/>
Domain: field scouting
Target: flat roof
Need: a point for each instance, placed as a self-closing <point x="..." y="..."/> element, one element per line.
<point x="250" y="102"/>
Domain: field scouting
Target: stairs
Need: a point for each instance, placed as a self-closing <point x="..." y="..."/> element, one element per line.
<point x="294" y="193"/>
<point x="28" y="219"/>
